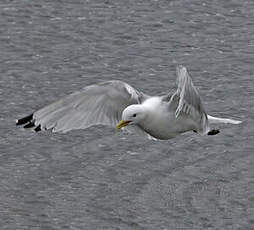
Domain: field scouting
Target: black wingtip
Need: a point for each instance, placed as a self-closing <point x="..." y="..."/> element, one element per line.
<point x="213" y="132"/>
<point x="30" y="124"/>
<point x="37" y="128"/>
<point x="25" y="120"/>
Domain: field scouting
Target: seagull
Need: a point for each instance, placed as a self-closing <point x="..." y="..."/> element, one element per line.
<point x="118" y="104"/>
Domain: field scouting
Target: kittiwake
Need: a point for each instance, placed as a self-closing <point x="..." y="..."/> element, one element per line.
<point x="116" y="103"/>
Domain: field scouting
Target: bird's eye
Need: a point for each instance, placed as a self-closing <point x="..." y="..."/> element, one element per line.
<point x="134" y="115"/>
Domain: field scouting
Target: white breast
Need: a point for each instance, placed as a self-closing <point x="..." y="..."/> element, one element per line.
<point x="162" y="123"/>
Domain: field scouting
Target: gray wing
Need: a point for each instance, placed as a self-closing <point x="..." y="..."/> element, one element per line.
<point x="186" y="100"/>
<point x="96" y="104"/>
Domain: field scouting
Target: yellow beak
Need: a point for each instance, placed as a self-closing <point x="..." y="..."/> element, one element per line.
<point x="122" y="124"/>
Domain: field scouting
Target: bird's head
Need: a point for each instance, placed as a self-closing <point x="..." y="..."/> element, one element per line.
<point x="131" y="115"/>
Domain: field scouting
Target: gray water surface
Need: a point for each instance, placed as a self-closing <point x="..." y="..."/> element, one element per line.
<point x="100" y="179"/>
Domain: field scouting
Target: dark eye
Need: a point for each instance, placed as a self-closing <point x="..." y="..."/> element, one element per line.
<point x="134" y="115"/>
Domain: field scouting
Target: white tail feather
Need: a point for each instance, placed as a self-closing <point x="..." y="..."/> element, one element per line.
<point x="212" y="120"/>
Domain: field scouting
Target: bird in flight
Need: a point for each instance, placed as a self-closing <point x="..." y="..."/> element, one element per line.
<point x="118" y="104"/>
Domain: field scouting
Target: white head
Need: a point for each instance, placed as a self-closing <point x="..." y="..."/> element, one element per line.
<point x="131" y="115"/>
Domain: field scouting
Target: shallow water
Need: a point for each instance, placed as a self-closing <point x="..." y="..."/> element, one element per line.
<point x="100" y="179"/>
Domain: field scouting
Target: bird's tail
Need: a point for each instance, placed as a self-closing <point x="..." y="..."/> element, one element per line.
<point x="212" y="120"/>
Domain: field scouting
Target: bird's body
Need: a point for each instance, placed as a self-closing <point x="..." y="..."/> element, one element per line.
<point x="161" y="122"/>
<point x="109" y="102"/>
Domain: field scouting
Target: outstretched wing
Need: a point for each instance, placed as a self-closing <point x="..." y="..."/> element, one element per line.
<point x="189" y="101"/>
<point x="96" y="104"/>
